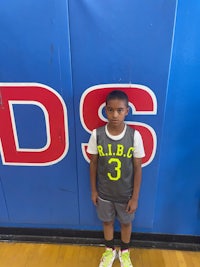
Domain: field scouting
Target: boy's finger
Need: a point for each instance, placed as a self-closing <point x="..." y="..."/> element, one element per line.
<point x="128" y="209"/>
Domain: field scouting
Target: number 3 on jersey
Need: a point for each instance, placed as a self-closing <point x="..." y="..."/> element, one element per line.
<point x="117" y="168"/>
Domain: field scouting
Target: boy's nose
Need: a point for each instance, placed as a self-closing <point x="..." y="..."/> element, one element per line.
<point x="115" y="113"/>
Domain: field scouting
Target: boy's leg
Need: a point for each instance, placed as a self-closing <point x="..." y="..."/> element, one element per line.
<point x="108" y="229"/>
<point x="125" y="220"/>
<point x="126" y="230"/>
<point x="124" y="254"/>
<point x="109" y="255"/>
<point x="106" y="214"/>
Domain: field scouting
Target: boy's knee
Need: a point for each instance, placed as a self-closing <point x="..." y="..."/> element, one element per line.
<point x="126" y="225"/>
<point x="108" y="223"/>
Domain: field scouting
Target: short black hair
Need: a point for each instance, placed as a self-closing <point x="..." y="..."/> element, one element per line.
<point x="117" y="94"/>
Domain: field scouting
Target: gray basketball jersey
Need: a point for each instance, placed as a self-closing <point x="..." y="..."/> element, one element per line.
<point x="115" y="166"/>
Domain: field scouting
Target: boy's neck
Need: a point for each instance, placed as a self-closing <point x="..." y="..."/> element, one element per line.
<point x="115" y="130"/>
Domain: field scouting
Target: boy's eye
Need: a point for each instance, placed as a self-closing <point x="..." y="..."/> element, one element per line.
<point x="119" y="110"/>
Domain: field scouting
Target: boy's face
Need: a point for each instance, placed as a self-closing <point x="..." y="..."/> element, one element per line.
<point x="116" y="111"/>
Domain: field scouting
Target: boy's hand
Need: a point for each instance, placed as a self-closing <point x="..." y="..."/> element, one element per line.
<point x="132" y="205"/>
<point x="94" y="198"/>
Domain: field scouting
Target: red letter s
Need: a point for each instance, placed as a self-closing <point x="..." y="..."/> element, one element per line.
<point x="142" y="101"/>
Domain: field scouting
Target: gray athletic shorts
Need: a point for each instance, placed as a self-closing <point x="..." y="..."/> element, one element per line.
<point x="107" y="211"/>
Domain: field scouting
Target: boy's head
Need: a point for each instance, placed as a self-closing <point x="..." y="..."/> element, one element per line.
<point x="117" y="108"/>
<point x="117" y="94"/>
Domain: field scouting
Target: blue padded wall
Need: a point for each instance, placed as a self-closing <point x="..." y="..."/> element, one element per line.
<point x="55" y="56"/>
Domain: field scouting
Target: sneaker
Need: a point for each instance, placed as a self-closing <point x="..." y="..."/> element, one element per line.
<point x="108" y="258"/>
<point x="124" y="257"/>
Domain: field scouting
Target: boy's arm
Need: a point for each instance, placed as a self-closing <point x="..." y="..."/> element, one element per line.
<point x="93" y="178"/>
<point x="133" y="202"/>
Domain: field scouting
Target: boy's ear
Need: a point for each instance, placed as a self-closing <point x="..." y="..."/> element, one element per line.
<point x="127" y="111"/>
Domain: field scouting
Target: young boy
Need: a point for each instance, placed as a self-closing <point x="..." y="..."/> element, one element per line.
<point x="115" y="174"/>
